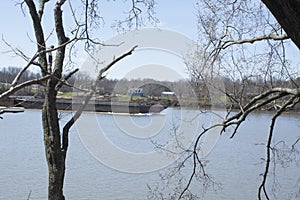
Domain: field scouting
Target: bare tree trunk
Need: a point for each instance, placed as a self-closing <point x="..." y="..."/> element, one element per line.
<point x="52" y="139"/>
<point x="55" y="156"/>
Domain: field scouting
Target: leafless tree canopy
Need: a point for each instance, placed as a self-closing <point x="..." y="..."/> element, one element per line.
<point x="242" y="44"/>
<point x="54" y="61"/>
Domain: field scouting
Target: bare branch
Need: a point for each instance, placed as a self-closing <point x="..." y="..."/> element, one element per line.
<point x="259" y="78"/>
<point x="12" y="90"/>
<point x="39" y="35"/>
<point x="10" y="110"/>
<point x="262" y="96"/>
<point x="62" y="39"/>
<point x="69" y="124"/>
<point x="191" y="176"/>
<point x="17" y="78"/>
<point x="262" y="186"/>
<point x="238" y="119"/>
<point x="16" y="51"/>
<point x="41" y="8"/>
<point x="271" y="36"/>
<point x="135" y="16"/>
<point x="196" y="159"/>
<point x="63" y="81"/>
<point x="295" y="143"/>
<point x="31" y="61"/>
<point x="245" y="112"/>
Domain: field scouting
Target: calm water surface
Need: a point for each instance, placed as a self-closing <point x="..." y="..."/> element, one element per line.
<point x="235" y="163"/>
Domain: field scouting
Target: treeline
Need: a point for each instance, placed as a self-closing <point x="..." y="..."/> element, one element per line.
<point x="106" y="86"/>
<point x="150" y="87"/>
<point x="7" y="75"/>
<point x="239" y="90"/>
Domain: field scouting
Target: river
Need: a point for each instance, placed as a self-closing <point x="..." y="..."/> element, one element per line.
<point x="234" y="163"/>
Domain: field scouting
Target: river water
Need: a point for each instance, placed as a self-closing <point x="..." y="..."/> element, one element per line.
<point x="234" y="163"/>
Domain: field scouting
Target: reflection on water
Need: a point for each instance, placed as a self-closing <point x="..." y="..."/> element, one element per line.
<point x="235" y="163"/>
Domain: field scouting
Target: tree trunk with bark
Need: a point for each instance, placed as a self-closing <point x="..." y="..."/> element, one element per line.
<point x="287" y="13"/>
<point x="55" y="154"/>
<point x="52" y="140"/>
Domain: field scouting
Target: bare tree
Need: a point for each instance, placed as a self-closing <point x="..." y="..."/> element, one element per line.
<point x="240" y="26"/>
<point x="241" y="43"/>
<point x="51" y="61"/>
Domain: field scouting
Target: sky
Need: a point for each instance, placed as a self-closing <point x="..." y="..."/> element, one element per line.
<point x="17" y="30"/>
<point x="178" y="16"/>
